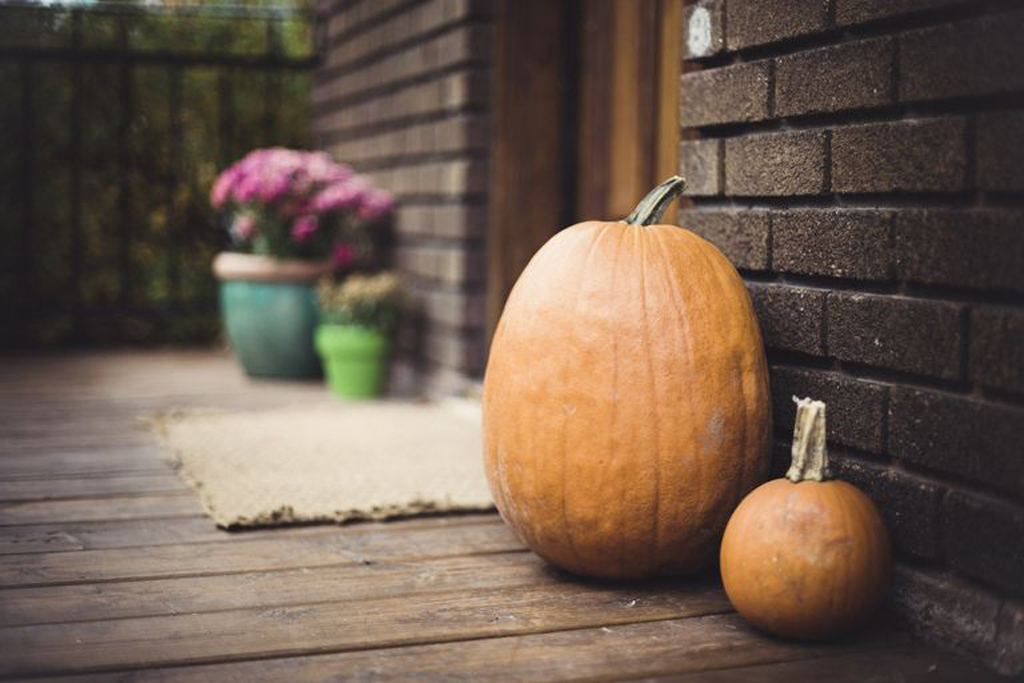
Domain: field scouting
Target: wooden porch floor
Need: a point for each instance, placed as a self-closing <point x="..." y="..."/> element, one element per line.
<point x="109" y="569"/>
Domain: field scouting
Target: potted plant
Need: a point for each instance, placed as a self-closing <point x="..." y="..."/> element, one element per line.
<point x="354" y="338"/>
<point x="293" y="217"/>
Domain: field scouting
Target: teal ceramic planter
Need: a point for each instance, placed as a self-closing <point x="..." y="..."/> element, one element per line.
<point x="270" y="313"/>
<point x="354" y="358"/>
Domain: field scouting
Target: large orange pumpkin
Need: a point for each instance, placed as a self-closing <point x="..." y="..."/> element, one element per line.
<point x="626" y="407"/>
<point x="803" y="557"/>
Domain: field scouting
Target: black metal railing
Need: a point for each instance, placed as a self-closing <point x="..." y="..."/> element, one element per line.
<point x="114" y="120"/>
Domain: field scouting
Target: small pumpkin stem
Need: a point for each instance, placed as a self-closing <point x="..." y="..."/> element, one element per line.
<point x="810" y="458"/>
<point x="652" y="207"/>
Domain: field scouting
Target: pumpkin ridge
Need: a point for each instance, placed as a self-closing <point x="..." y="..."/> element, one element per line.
<point x="684" y="330"/>
<point x="696" y="246"/>
<point x="687" y="245"/>
<point x="612" y="450"/>
<point x="566" y="350"/>
<point x="653" y="381"/>
<point x="721" y="278"/>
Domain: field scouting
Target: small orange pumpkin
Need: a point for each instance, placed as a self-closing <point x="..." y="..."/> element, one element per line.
<point x="626" y="407"/>
<point x="803" y="557"/>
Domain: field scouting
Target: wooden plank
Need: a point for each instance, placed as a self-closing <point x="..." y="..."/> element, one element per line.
<point x="324" y="627"/>
<point x="42" y="539"/>
<point x="79" y="462"/>
<point x="258" y="554"/>
<point x="125" y="533"/>
<point x="88" y="487"/>
<point x="604" y="653"/>
<point x="34" y="444"/>
<point x="119" y="600"/>
<point x="93" y="509"/>
<point x="904" y="664"/>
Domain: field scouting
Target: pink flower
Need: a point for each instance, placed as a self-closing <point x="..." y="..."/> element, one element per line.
<point x="343" y="255"/>
<point x="273" y="187"/>
<point x="346" y="194"/>
<point x="304" y="227"/>
<point x="375" y="203"/>
<point x="247" y="189"/>
<point x="222" y="187"/>
<point x="322" y="169"/>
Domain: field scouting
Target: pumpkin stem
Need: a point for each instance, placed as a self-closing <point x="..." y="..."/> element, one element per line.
<point x="810" y="459"/>
<point x="652" y="207"/>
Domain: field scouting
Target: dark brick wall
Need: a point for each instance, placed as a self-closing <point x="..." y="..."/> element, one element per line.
<point x="402" y="95"/>
<point x="860" y="161"/>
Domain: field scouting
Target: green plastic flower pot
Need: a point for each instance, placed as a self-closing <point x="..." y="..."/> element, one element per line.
<point x="354" y="359"/>
<point x="270" y="313"/>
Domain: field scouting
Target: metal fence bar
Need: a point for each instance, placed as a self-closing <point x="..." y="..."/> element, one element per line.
<point x="124" y="192"/>
<point x="171" y="227"/>
<point x="226" y="117"/>
<point x="26" y="263"/>
<point x="75" y="193"/>
<point x="103" y="56"/>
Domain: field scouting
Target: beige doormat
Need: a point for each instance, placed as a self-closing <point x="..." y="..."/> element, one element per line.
<point x="334" y="462"/>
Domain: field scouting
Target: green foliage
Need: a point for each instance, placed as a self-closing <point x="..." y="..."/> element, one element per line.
<point x="130" y="262"/>
<point x="369" y="301"/>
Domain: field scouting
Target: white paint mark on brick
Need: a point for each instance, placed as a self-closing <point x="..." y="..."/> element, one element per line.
<point x="699" y="36"/>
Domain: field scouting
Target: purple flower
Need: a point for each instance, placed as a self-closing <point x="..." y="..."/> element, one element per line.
<point x="222" y="187"/>
<point x="346" y="194"/>
<point x="375" y="203"/>
<point x="303" y="197"/>
<point x="322" y="169"/>
<point x="304" y="227"/>
<point x="343" y="255"/>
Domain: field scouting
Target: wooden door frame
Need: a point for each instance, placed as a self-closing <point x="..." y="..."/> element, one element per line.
<point x="585" y="120"/>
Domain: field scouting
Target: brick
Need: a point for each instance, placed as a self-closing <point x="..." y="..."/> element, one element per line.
<point x="755" y="22"/>
<point x="413" y="220"/>
<point x="1008" y="658"/>
<point x="974" y="249"/>
<point x="454" y="309"/>
<point x="465" y="89"/>
<point x="857" y="11"/>
<point x="454" y="349"/>
<point x="963" y="436"/>
<point x="983" y="539"/>
<point x="703" y="29"/>
<point x="429" y="16"/>
<point x="856" y="408"/>
<point x="459" y="220"/>
<point x="1000" y="151"/>
<point x="997" y="348"/>
<point x="700" y="164"/>
<point x="791" y="317"/>
<point x="926" y="155"/>
<point x="911" y="335"/>
<point x="782" y="457"/>
<point x="944" y="609"/>
<point x="451" y="265"/>
<point x="967" y="58"/>
<point x="725" y="95"/>
<point x="776" y="164"/>
<point x="741" y="235"/>
<point x="806" y="82"/>
<point x="835" y="243"/>
<point x="909" y="506"/>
